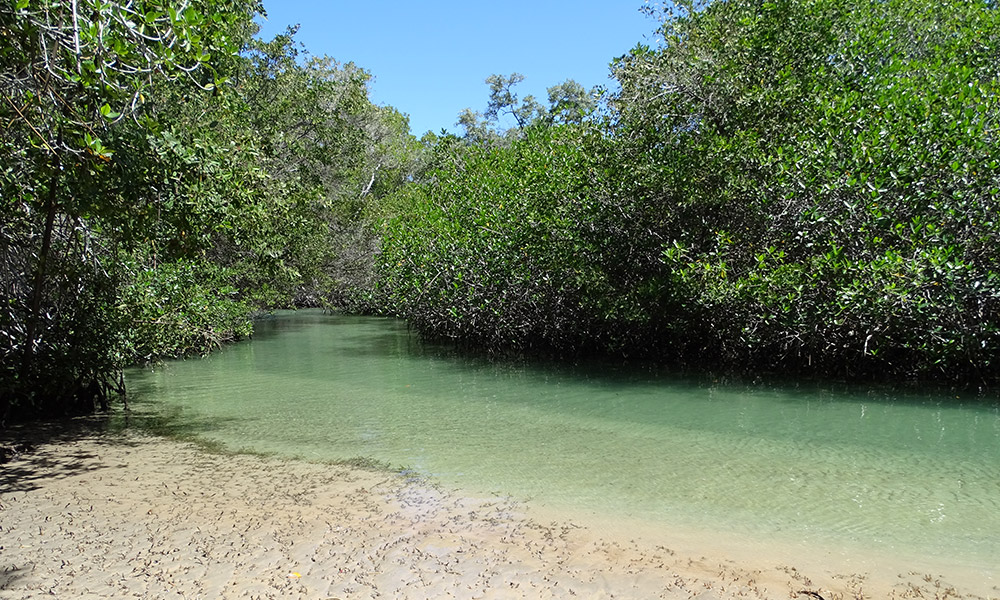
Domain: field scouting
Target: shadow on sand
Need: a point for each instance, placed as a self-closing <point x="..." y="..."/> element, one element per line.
<point x="25" y="462"/>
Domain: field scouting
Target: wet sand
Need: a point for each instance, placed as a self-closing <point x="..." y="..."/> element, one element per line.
<point x="130" y="515"/>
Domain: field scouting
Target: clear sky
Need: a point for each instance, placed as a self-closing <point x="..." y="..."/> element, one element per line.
<point x="430" y="58"/>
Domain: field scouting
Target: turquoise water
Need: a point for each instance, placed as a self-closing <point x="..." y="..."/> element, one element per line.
<point x="916" y="473"/>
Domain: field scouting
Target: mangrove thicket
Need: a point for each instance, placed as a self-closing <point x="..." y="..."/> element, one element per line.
<point x="789" y="186"/>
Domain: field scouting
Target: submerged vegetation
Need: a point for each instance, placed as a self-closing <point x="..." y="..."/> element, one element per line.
<point x="805" y="186"/>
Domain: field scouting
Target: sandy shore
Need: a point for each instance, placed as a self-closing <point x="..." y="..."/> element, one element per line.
<point x="96" y="515"/>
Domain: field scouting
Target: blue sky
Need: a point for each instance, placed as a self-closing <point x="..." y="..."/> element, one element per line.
<point x="430" y="59"/>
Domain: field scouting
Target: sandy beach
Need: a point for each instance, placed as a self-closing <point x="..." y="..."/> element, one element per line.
<point x="88" y="515"/>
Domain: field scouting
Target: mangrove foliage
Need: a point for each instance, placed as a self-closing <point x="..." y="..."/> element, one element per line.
<point x="803" y="186"/>
<point x="793" y="186"/>
<point x="166" y="174"/>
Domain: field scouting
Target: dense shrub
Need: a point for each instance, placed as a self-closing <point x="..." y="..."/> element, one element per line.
<point x="796" y="185"/>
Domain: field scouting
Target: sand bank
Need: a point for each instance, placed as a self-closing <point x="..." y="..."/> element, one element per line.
<point x="95" y="515"/>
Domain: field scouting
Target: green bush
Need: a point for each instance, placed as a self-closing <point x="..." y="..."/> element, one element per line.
<point x="793" y="185"/>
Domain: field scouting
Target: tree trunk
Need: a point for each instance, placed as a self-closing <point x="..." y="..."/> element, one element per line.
<point x="43" y="256"/>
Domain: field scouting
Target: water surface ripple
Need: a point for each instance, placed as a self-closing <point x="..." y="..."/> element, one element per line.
<point x="914" y="473"/>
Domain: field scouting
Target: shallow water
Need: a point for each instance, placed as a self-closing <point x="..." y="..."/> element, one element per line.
<point x="888" y="472"/>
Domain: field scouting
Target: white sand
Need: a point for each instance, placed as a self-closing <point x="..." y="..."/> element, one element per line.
<point x="135" y="516"/>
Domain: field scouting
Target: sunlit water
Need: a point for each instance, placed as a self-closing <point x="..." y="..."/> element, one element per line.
<point x="896" y="473"/>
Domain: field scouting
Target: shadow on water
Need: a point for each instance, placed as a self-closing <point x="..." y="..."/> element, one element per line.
<point x="363" y="336"/>
<point x="178" y="425"/>
<point x="786" y="390"/>
<point x="382" y="337"/>
<point x="386" y="337"/>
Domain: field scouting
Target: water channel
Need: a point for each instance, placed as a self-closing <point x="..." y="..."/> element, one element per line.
<point x="893" y="472"/>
